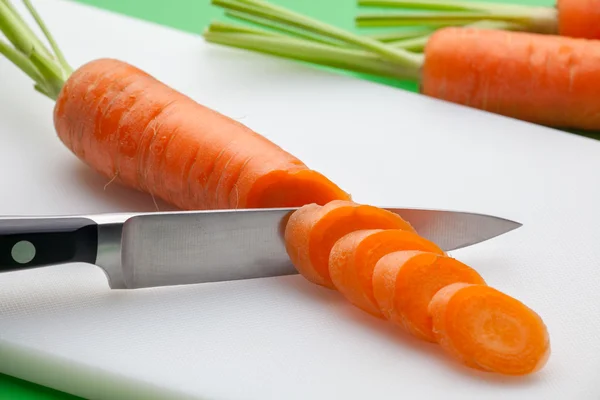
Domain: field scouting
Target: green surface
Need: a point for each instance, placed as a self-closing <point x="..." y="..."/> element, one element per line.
<point x="193" y="16"/>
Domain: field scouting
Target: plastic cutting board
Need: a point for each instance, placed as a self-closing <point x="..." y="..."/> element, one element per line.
<point x="284" y="338"/>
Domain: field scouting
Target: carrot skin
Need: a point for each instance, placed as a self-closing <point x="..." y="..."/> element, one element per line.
<point x="141" y="133"/>
<point x="544" y="79"/>
<point x="488" y="330"/>
<point x="579" y="18"/>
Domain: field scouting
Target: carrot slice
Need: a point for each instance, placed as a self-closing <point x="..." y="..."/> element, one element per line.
<point x="312" y="230"/>
<point x="404" y="283"/>
<point x="354" y="256"/>
<point x="489" y="330"/>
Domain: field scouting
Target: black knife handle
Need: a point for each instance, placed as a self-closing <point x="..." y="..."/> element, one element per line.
<point x="37" y="242"/>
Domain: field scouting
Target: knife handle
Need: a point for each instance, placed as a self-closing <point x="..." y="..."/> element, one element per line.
<point x="36" y="242"/>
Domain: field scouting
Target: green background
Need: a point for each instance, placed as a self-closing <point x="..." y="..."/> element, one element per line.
<point x="193" y="16"/>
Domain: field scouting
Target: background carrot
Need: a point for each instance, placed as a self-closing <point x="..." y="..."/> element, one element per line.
<point x="489" y="330"/>
<point x="574" y="18"/>
<point x="312" y="230"/>
<point x="137" y="131"/>
<point x="545" y="79"/>
<point x="579" y="18"/>
<point x="354" y="256"/>
<point x="404" y="283"/>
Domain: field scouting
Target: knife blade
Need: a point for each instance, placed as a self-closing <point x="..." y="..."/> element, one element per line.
<point x="140" y="250"/>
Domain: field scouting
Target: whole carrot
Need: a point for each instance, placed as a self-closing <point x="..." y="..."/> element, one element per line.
<point x="139" y="132"/>
<point x="545" y="79"/>
<point x="574" y="18"/>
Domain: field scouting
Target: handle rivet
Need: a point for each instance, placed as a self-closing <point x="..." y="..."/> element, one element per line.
<point x="23" y="252"/>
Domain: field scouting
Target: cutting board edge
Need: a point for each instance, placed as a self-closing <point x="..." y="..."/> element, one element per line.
<point x="59" y="373"/>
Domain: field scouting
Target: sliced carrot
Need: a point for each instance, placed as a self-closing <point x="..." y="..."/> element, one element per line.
<point x="312" y="230"/>
<point x="579" y="18"/>
<point x="354" y="256"/>
<point x="405" y="281"/>
<point x="489" y="330"/>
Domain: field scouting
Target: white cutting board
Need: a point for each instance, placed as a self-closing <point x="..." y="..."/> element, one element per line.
<point x="284" y="338"/>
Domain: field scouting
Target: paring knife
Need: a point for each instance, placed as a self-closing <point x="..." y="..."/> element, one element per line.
<point x="177" y="248"/>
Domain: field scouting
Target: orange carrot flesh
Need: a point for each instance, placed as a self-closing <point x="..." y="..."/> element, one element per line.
<point x="579" y="18"/>
<point x="404" y="282"/>
<point x="554" y="80"/>
<point x="353" y="258"/>
<point x="139" y="132"/>
<point x="312" y="230"/>
<point x="489" y="330"/>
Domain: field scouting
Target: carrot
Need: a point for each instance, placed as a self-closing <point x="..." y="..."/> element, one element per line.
<point x="139" y="132"/>
<point x="312" y="230"/>
<point x="488" y="330"/>
<point x="573" y="18"/>
<point x="545" y="79"/>
<point x="579" y="18"/>
<point x="404" y="283"/>
<point x="553" y="80"/>
<point x="353" y="258"/>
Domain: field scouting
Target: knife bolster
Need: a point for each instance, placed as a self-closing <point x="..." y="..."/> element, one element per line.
<point x="37" y="242"/>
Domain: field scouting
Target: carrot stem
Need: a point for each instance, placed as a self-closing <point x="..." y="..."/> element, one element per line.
<point x="414" y="44"/>
<point x="15" y="14"/>
<point x="66" y="68"/>
<point x="442" y="5"/>
<point x="437" y="12"/>
<point x="312" y="52"/>
<point x="283" y="16"/>
<point x="20" y="60"/>
<point x="28" y="53"/>
<point x="422" y="18"/>
<point x="400" y="35"/>
<point x="223" y="27"/>
<point x="278" y="27"/>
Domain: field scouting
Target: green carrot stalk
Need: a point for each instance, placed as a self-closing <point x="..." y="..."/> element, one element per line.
<point x="285" y="17"/>
<point x="308" y="51"/>
<point x="48" y="69"/>
<point x="273" y="26"/>
<point x="442" y="5"/>
<point x="456" y="12"/>
<point x="409" y="33"/>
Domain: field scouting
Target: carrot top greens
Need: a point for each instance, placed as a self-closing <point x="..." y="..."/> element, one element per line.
<point x="455" y="12"/>
<point x="48" y="68"/>
<point x="275" y="16"/>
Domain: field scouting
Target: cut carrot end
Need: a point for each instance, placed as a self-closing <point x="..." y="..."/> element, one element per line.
<point x="404" y="283"/>
<point x="489" y="330"/>
<point x="353" y="258"/>
<point x="312" y="231"/>
<point x="294" y="189"/>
